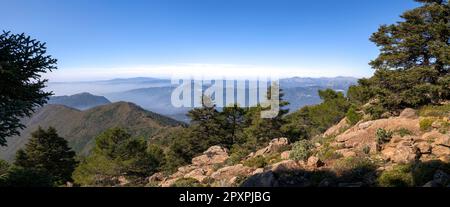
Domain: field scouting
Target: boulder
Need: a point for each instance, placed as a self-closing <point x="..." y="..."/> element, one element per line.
<point x="423" y="147"/>
<point x="258" y="171"/>
<point x="214" y="155"/>
<point x="285" y="166"/>
<point x="169" y="182"/>
<point x="198" y="174"/>
<point x="400" y="154"/>
<point x="314" y="161"/>
<point x="365" y="125"/>
<point x="285" y="155"/>
<point x="266" y="179"/>
<point x="227" y="173"/>
<point x="433" y="136"/>
<point x="440" y="151"/>
<point x="157" y="177"/>
<point x="346" y="152"/>
<point x="338" y="128"/>
<point x="404" y="154"/>
<point x="364" y="134"/>
<point x="123" y="180"/>
<point x="408" y="113"/>
<point x="274" y="146"/>
<point x="388" y="153"/>
<point x="443" y="140"/>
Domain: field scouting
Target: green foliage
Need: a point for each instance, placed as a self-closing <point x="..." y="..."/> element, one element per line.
<point x="327" y="152"/>
<point x="354" y="169"/>
<point x="240" y="129"/>
<point x="27" y="177"/>
<point x="426" y="123"/>
<point x="187" y="182"/>
<point x="399" y="176"/>
<point x="116" y="154"/>
<point x="366" y="149"/>
<point x="301" y="150"/>
<point x="412" y="69"/>
<point x="262" y="161"/>
<point x="22" y="62"/>
<point x="48" y="153"/>
<point x="353" y="116"/>
<point x="414" y="174"/>
<point x="435" y="111"/>
<point x="403" y="132"/>
<point x="314" y="120"/>
<point x="383" y="136"/>
<point x="4" y="167"/>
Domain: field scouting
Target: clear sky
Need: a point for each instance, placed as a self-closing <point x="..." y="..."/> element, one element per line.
<point x="101" y="39"/>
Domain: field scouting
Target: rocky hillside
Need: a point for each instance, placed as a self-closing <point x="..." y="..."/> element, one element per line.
<point x="406" y="150"/>
<point x="81" y="127"/>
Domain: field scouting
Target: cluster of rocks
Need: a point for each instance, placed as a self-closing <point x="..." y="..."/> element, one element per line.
<point x="206" y="167"/>
<point x="350" y="141"/>
<point x="402" y="148"/>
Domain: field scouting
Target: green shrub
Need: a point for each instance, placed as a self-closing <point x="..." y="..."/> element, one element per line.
<point x="354" y="169"/>
<point x="436" y="111"/>
<point x="399" y="176"/>
<point x="257" y="162"/>
<point x="403" y="132"/>
<point x="353" y="163"/>
<point x="383" y="136"/>
<point x="366" y="149"/>
<point x="327" y="152"/>
<point x="375" y="111"/>
<point x="353" y="116"/>
<point x="187" y="182"/>
<point x="301" y="150"/>
<point x="262" y="161"/>
<point x="426" y="123"/>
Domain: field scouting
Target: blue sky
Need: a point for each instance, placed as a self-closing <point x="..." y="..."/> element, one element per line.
<point x="101" y="39"/>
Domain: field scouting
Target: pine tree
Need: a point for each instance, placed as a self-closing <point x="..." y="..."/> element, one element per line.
<point x="49" y="153"/>
<point x="262" y="130"/>
<point x="413" y="66"/>
<point x="206" y="127"/>
<point x="22" y="62"/>
<point x="234" y="123"/>
<point x="117" y="153"/>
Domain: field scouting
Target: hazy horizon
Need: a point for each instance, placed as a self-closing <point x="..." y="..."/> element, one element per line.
<point x="100" y="40"/>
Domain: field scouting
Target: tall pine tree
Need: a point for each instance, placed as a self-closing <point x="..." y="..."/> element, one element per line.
<point x="47" y="152"/>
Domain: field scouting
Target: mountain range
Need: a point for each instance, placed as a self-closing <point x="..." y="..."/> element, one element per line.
<point x="81" y="101"/>
<point x="154" y="94"/>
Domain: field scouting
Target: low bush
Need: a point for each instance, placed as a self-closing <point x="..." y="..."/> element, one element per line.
<point x="435" y="110"/>
<point x="426" y="124"/>
<point x="399" y="176"/>
<point x="355" y="169"/>
<point x="383" y="136"/>
<point x="262" y="161"/>
<point x="301" y="150"/>
<point x="403" y="132"/>
<point x="353" y="116"/>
